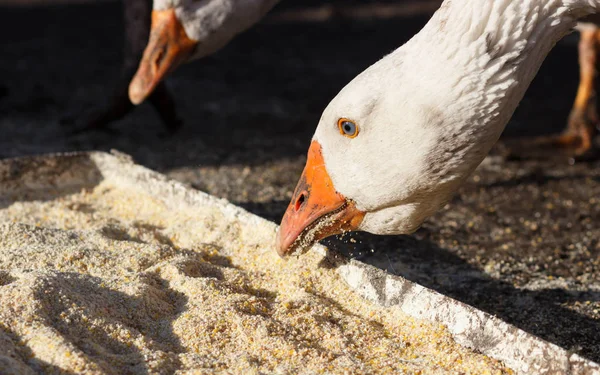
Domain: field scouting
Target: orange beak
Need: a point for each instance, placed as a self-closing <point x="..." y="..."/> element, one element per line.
<point x="167" y="47"/>
<point x="316" y="210"/>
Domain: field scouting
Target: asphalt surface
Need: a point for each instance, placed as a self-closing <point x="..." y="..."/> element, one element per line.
<point x="521" y="240"/>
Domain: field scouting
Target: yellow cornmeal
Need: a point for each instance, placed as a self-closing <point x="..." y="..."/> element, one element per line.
<point x="111" y="281"/>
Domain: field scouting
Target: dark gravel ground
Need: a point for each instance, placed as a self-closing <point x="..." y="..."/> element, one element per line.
<point x="521" y="240"/>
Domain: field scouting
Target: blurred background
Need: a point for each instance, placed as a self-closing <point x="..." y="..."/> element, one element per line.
<point x="520" y="240"/>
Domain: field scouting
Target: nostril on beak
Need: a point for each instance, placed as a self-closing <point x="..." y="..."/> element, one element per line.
<point x="300" y="201"/>
<point x="158" y="58"/>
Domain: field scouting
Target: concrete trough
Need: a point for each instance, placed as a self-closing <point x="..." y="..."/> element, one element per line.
<point x="519" y="350"/>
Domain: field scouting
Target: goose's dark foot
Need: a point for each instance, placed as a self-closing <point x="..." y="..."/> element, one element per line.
<point x="164" y="104"/>
<point x="99" y="120"/>
<point x="119" y="106"/>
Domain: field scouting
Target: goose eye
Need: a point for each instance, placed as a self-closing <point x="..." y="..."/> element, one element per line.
<point x="347" y="128"/>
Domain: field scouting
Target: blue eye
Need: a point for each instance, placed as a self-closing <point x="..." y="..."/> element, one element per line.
<point x="347" y="128"/>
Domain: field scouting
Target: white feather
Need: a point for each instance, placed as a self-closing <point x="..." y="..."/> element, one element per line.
<point x="213" y="23"/>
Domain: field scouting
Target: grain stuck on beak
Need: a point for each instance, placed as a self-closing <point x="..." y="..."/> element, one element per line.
<point x="317" y="210"/>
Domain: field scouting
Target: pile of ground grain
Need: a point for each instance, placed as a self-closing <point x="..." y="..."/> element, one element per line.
<point x="109" y="280"/>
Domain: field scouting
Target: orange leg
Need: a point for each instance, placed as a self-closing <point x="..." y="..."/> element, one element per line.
<point x="584" y="116"/>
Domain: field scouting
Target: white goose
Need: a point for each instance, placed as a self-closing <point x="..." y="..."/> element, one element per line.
<point x="395" y="144"/>
<point x="184" y="30"/>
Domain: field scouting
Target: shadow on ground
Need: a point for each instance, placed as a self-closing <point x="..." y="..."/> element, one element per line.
<point x="541" y="312"/>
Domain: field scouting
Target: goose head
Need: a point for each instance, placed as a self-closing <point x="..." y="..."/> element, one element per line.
<point x="184" y="30"/>
<point x="373" y="162"/>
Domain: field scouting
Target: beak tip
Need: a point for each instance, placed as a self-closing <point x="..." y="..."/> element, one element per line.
<point x="136" y="94"/>
<point x="280" y="245"/>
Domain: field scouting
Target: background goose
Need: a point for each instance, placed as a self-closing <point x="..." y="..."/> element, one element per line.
<point x="396" y="142"/>
<point x="184" y="30"/>
<point x="137" y="25"/>
<point x="161" y="35"/>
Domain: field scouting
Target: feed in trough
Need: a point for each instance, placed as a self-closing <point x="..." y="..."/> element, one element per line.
<point x="109" y="279"/>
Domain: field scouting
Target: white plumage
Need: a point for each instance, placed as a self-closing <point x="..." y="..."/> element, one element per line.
<point x="430" y="111"/>
<point x="213" y="23"/>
